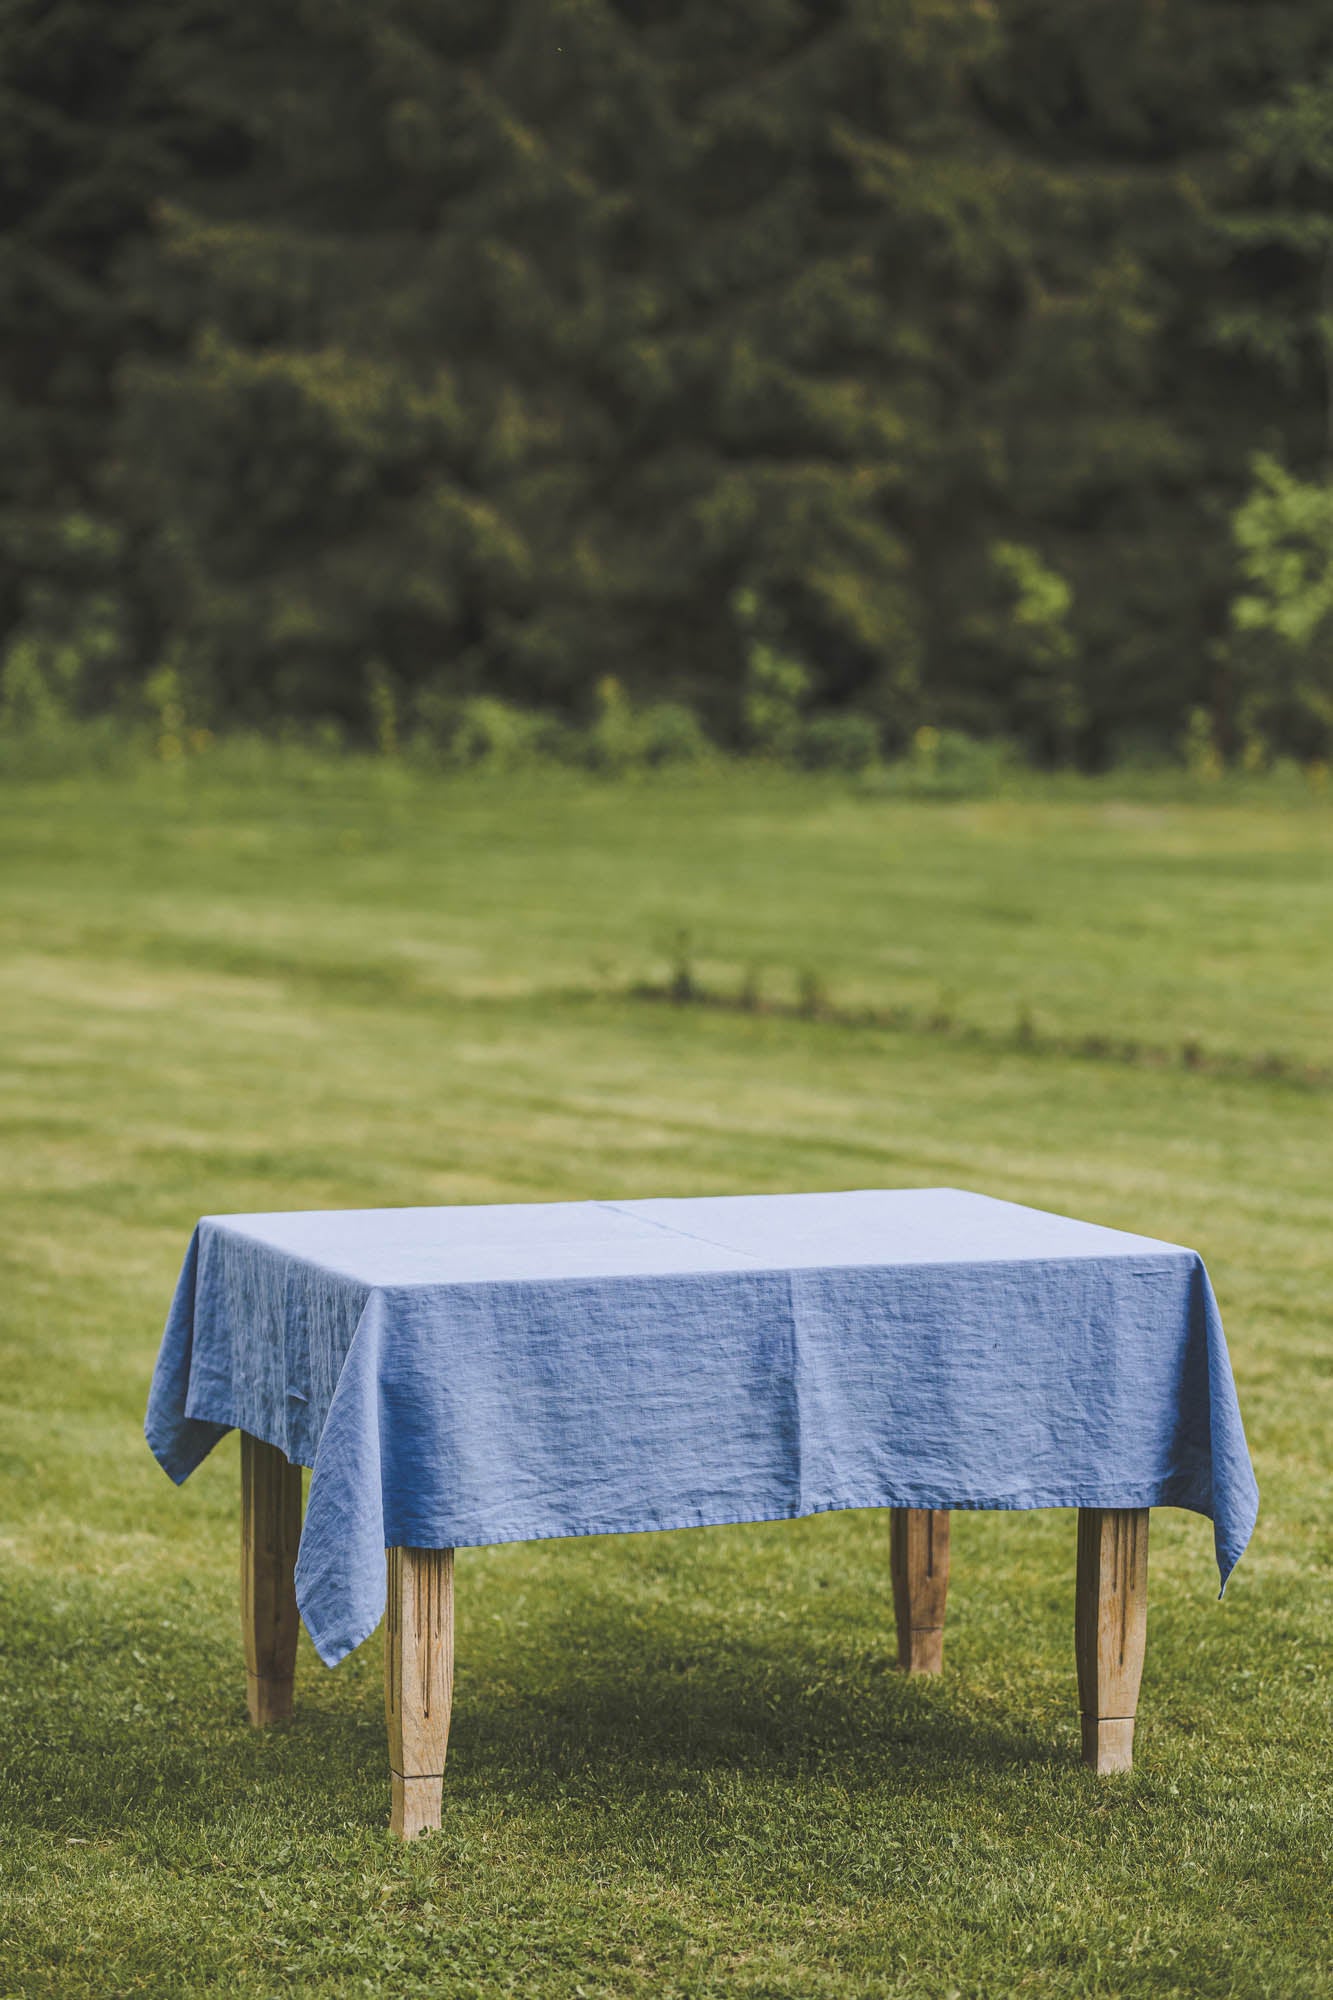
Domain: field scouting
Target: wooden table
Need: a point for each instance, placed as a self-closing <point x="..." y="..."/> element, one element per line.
<point x="1110" y="1626"/>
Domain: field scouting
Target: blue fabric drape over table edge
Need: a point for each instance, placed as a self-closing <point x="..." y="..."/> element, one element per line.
<point x="350" y="1515"/>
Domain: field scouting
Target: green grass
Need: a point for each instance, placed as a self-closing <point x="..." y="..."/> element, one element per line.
<point x="681" y="1765"/>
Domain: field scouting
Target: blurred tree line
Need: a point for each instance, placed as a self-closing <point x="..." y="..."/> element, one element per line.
<point x="947" y="363"/>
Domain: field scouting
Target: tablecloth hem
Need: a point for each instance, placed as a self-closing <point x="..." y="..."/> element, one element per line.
<point x="179" y="1463"/>
<point x="224" y="1421"/>
<point x="1162" y="1494"/>
<point x="924" y="1499"/>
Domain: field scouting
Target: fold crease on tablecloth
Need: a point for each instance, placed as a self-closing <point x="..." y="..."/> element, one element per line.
<point x="468" y="1414"/>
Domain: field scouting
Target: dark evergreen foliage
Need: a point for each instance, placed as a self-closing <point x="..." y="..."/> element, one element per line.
<point x="362" y="358"/>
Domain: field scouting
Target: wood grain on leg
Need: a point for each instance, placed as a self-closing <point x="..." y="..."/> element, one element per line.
<point x="919" y="1560"/>
<point x="270" y="1622"/>
<point x="1110" y="1630"/>
<point x="418" y="1683"/>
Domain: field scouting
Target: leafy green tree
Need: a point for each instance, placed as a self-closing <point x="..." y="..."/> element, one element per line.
<point x="415" y="355"/>
<point x="1025" y="635"/>
<point x="1278" y="225"/>
<point x="572" y="323"/>
<point x="96" y="121"/>
<point x="1283" y="616"/>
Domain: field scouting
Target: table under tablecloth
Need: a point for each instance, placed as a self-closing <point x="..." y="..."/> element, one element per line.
<point x="461" y="1376"/>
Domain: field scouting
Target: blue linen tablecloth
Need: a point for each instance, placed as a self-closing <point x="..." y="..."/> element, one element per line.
<point x="458" y="1376"/>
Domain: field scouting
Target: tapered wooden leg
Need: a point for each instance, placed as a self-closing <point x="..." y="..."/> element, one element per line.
<point x="270" y="1532"/>
<point x="418" y="1683"/>
<point x="1110" y="1630"/>
<point x="919" y="1560"/>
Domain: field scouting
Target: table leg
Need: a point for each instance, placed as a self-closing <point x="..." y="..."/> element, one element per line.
<point x="919" y="1561"/>
<point x="418" y="1683"/>
<point x="270" y="1533"/>
<point x="1110" y="1630"/>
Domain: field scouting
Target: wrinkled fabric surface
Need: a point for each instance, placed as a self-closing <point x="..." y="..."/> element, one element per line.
<point x="458" y="1376"/>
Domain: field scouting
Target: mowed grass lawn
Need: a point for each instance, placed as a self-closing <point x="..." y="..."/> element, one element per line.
<point x="681" y="1765"/>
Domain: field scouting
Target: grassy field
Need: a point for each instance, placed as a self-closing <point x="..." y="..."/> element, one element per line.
<point x="681" y="1765"/>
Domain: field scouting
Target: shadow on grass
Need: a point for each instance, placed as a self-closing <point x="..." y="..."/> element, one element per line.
<point x="624" y="1728"/>
<point x="129" y="1719"/>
